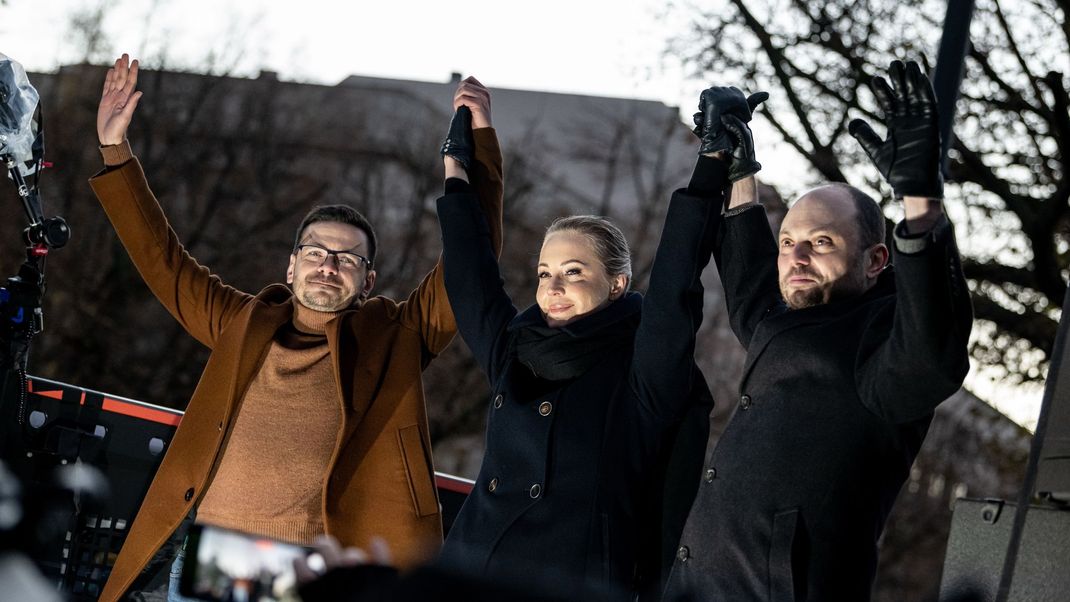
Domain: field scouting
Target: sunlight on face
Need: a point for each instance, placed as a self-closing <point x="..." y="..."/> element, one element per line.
<point x="572" y="279"/>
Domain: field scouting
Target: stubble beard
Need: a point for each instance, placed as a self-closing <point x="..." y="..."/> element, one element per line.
<point x="322" y="302"/>
<point x="851" y="284"/>
<point x="325" y="300"/>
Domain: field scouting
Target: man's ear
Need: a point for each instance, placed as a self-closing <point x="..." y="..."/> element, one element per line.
<point x="618" y="284"/>
<point x="876" y="260"/>
<point x="369" y="283"/>
<point x="290" y="269"/>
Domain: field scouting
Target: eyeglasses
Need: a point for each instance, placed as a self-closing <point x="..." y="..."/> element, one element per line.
<point x="316" y="255"/>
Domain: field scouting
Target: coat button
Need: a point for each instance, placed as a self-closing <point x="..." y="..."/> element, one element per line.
<point x="545" y="408"/>
<point x="744" y="402"/>
<point x="189" y="494"/>
<point x="498" y="401"/>
<point x="682" y="554"/>
<point x="492" y="485"/>
<point x="535" y="491"/>
<point x="711" y="474"/>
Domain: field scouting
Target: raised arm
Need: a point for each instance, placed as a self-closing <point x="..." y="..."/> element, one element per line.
<point x="746" y="251"/>
<point x="484" y="169"/>
<point x="904" y="376"/>
<point x="672" y="307"/>
<point x="473" y="279"/>
<point x="428" y="309"/>
<point x="200" y="302"/>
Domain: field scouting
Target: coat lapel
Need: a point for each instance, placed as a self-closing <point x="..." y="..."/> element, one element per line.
<point x="274" y="307"/>
<point x="789" y="319"/>
<point x="344" y="353"/>
<point x="769" y="328"/>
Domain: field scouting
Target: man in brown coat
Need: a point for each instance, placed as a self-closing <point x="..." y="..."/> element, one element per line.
<point x="309" y="417"/>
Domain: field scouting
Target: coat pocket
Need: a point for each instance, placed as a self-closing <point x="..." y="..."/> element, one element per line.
<point x="418" y="470"/>
<point x="781" y="567"/>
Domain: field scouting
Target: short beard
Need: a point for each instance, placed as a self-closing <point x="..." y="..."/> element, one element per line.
<point x="325" y="303"/>
<point x="805" y="298"/>
<point x="851" y="284"/>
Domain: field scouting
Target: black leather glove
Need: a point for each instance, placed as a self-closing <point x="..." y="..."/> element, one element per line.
<point x="743" y="163"/>
<point x="715" y="102"/>
<point x="909" y="159"/>
<point x="459" y="142"/>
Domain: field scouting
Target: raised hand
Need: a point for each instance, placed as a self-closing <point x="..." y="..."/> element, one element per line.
<point x="909" y="159"/>
<point x="118" y="101"/>
<point x="460" y="143"/>
<point x="743" y="162"/>
<point x="476" y="97"/>
<point x="715" y="102"/>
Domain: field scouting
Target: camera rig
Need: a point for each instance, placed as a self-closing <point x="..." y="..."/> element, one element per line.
<point x="21" y="316"/>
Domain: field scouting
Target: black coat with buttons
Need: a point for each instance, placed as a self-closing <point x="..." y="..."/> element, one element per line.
<point x="834" y="403"/>
<point x="565" y="492"/>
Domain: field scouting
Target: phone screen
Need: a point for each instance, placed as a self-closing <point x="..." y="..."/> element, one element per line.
<point x="230" y="566"/>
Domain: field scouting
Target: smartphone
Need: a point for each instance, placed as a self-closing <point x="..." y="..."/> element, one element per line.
<point x="231" y="566"/>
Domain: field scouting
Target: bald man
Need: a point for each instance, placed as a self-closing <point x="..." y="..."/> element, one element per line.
<point x="846" y="361"/>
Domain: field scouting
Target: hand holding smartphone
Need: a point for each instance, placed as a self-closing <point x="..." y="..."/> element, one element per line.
<point x="229" y="566"/>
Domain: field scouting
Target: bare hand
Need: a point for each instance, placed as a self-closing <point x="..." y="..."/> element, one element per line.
<point x="476" y="97"/>
<point x="118" y="101"/>
<point x="334" y="556"/>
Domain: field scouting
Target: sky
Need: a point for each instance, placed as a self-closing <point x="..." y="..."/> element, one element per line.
<point x="597" y="47"/>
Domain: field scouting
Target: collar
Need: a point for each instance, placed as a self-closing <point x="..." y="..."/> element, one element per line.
<point x="311" y="321"/>
<point x="884" y="286"/>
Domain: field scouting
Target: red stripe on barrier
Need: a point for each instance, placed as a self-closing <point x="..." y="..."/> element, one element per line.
<point x="454" y="484"/>
<point x="55" y="394"/>
<point x="130" y="409"/>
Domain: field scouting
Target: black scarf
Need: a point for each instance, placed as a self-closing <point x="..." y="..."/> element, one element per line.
<point x="564" y="353"/>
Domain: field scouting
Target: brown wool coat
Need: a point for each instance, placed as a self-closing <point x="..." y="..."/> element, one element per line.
<point x="381" y="481"/>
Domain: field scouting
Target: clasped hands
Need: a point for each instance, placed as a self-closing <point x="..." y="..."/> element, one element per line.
<point x="471" y="103"/>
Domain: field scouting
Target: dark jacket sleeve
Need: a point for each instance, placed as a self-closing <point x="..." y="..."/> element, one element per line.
<point x="905" y="375"/>
<point x="746" y="257"/>
<point x="427" y="309"/>
<point x="672" y="308"/>
<point x="474" y="284"/>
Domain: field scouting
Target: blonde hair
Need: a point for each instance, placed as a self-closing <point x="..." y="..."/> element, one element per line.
<point x="609" y="242"/>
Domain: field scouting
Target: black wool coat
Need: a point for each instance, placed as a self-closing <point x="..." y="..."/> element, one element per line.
<point x="833" y="406"/>
<point x="567" y="488"/>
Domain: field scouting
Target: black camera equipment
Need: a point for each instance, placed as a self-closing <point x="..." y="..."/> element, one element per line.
<point x="22" y="155"/>
<point x="39" y="493"/>
<point x="127" y="443"/>
<point x="21" y="318"/>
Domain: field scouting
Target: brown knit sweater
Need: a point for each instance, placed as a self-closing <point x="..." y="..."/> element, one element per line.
<point x="270" y="480"/>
